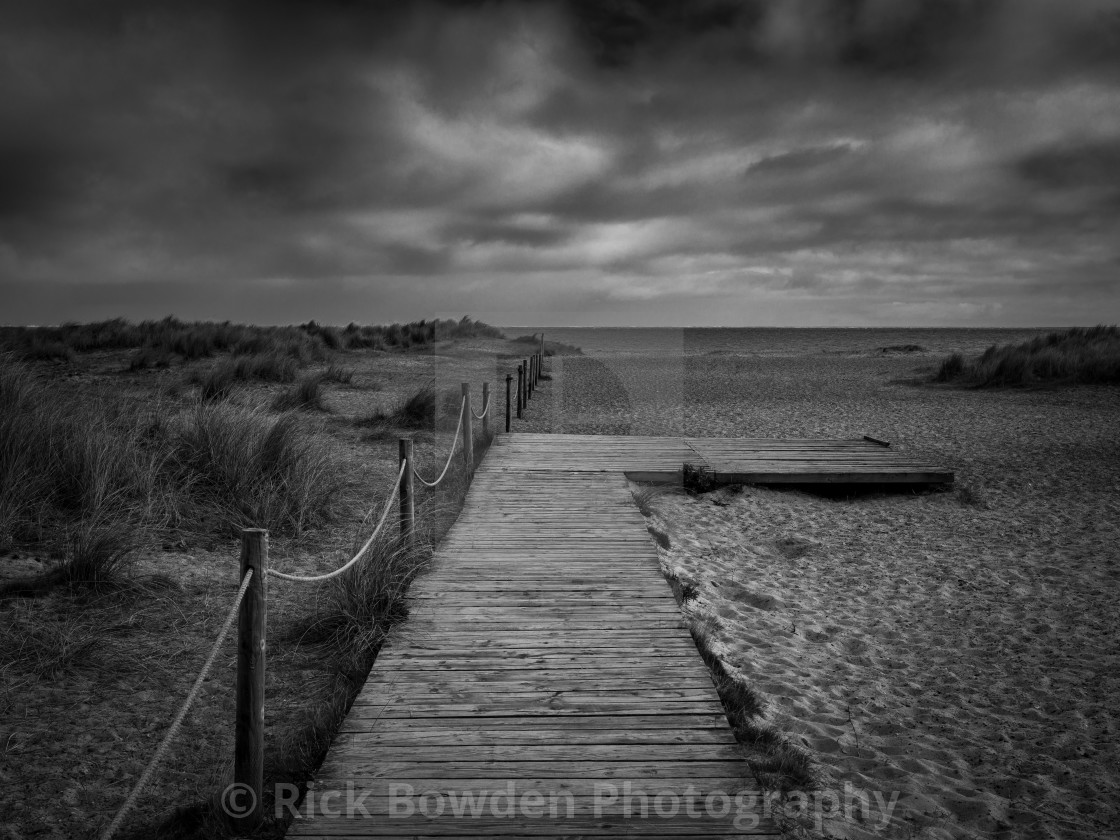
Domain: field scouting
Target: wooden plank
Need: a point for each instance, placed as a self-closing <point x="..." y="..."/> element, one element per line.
<point x="511" y="769"/>
<point x="360" y="748"/>
<point x="620" y="722"/>
<point x="580" y="788"/>
<point x="417" y="828"/>
<point x="539" y="736"/>
<point x="447" y="737"/>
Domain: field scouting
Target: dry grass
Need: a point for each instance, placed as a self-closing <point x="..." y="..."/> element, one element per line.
<point x="58" y="467"/>
<point x="305" y="395"/>
<point x="370" y="599"/>
<point x="659" y="537"/>
<point x="418" y="334"/>
<point x="697" y="478"/>
<point x="160" y="343"/>
<point x="80" y="479"/>
<point x="777" y="763"/>
<point x="96" y="475"/>
<point x="254" y="469"/>
<point x="645" y="497"/>
<point x="339" y="374"/>
<point x="1077" y="355"/>
<point x="418" y="411"/>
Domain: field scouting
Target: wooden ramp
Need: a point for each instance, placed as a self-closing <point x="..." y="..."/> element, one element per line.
<point x="545" y="685"/>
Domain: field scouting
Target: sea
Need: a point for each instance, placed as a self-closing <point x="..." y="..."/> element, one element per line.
<point x="778" y="341"/>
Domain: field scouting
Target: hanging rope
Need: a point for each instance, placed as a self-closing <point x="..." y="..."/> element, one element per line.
<point x="146" y="776"/>
<point x="450" y="455"/>
<point x="485" y="411"/>
<point x="361" y="552"/>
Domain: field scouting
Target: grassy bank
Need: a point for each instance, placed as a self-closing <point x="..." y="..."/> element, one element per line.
<point x="171" y="341"/>
<point x="122" y="489"/>
<point x="1084" y="355"/>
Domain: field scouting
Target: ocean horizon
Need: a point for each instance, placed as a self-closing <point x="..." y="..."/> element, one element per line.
<point x="779" y="341"/>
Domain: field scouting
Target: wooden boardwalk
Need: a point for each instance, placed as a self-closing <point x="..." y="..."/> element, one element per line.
<point x="545" y="684"/>
<point x="545" y="672"/>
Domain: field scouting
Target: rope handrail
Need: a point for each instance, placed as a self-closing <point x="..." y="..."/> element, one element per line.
<point x="485" y="411"/>
<point x="173" y="730"/>
<point x="450" y="455"/>
<point x="361" y="552"/>
<point x="255" y="559"/>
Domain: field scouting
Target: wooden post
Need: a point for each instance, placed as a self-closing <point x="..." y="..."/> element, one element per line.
<point x="486" y="409"/>
<point x="528" y="392"/>
<point x="248" y="750"/>
<point x="407" y="497"/>
<point x="468" y="428"/>
<point x="509" y="388"/>
<point x="531" y="377"/>
<point x="520" y="392"/>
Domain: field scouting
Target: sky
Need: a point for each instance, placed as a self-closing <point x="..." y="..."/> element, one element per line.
<point x="562" y="162"/>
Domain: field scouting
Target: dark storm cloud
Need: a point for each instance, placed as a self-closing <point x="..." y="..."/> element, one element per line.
<point x="30" y="180"/>
<point x="597" y="153"/>
<point x="1091" y="165"/>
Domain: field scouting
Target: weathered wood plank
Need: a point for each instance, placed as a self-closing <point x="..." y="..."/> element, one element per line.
<point x="621" y="722"/>
<point x="516" y="770"/>
<point x="569" y="736"/>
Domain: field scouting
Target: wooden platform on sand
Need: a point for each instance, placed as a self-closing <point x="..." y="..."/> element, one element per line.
<point x="728" y="460"/>
<point x="546" y="684"/>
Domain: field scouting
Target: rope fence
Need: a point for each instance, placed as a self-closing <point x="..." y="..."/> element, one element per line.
<point x="250" y="608"/>
<point x="361" y="552"/>
<point x="450" y="455"/>
<point x="173" y="730"/>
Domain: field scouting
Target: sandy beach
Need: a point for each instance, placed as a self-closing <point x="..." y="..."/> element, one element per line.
<point x="958" y="649"/>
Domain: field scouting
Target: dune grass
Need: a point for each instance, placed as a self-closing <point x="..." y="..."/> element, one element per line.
<point x="100" y="487"/>
<point x="337" y="373"/>
<point x="163" y="342"/>
<point x="1083" y="355"/>
<point x="416" y="334"/>
<point x="249" y="468"/>
<point x="307" y="395"/>
<point x="217" y="383"/>
<point x="94" y="482"/>
<point x="780" y="765"/>
<point x="551" y="348"/>
<point x="415" y="412"/>
<point x="59" y="467"/>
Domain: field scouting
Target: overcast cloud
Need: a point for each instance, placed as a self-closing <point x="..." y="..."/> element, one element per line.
<point x="755" y="162"/>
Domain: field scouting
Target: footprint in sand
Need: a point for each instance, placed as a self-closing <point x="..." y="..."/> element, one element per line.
<point x="757" y="600"/>
<point x="794" y="547"/>
<point x="816" y="634"/>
